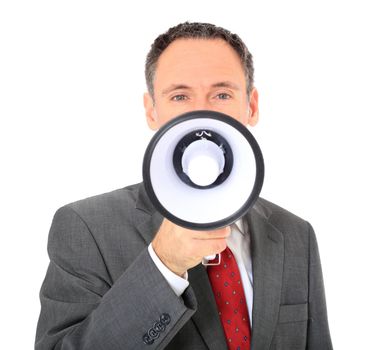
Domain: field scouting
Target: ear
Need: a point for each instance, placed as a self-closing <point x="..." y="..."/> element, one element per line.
<point x="151" y="116"/>
<point x="253" y="108"/>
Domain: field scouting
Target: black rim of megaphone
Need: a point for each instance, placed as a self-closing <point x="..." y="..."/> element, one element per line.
<point x="259" y="177"/>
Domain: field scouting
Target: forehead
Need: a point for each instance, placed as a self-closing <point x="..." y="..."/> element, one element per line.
<point x="198" y="62"/>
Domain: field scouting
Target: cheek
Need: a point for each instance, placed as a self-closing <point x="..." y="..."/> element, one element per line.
<point x="166" y="112"/>
<point x="244" y="119"/>
<point x="240" y="114"/>
<point x="243" y="113"/>
<point x="166" y="117"/>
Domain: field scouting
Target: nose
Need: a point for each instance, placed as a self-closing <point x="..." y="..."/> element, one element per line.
<point x="201" y="103"/>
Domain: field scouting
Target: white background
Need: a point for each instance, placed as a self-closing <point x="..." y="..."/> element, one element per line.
<point x="72" y="126"/>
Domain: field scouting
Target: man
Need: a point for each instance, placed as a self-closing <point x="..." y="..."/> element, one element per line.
<point x="122" y="277"/>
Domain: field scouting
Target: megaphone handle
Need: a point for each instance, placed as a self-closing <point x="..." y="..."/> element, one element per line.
<point x="212" y="260"/>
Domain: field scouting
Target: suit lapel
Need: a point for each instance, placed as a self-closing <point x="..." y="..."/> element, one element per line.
<point x="149" y="226"/>
<point x="146" y="219"/>
<point x="267" y="252"/>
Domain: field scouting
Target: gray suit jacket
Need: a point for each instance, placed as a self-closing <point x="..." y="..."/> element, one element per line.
<point x="102" y="290"/>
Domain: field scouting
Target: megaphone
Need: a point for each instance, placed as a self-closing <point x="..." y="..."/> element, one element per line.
<point x="203" y="170"/>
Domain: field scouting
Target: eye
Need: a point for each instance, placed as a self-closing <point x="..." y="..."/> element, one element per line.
<point x="179" y="98"/>
<point x="223" y="96"/>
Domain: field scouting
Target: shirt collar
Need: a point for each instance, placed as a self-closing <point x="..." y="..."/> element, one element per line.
<point x="240" y="227"/>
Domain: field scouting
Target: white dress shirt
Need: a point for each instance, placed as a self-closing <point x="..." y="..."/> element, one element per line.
<point x="239" y="243"/>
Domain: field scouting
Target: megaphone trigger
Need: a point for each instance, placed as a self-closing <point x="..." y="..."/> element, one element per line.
<point x="212" y="260"/>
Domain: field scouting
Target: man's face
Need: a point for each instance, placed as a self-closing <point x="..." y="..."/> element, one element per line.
<point x="195" y="74"/>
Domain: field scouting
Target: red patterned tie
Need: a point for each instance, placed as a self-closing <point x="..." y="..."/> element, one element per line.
<point x="231" y="302"/>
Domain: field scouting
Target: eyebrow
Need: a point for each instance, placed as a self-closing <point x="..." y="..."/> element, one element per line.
<point x="225" y="84"/>
<point x="174" y="87"/>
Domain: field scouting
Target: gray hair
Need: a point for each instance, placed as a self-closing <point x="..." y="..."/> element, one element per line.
<point x="197" y="30"/>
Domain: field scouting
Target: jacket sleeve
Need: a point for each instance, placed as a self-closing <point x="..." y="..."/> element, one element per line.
<point x="318" y="335"/>
<point x="82" y="309"/>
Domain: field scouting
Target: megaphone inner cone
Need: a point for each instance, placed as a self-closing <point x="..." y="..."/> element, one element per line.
<point x="203" y="161"/>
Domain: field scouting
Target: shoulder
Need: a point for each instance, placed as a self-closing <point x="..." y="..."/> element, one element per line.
<point x="101" y="219"/>
<point x="107" y="202"/>
<point x="293" y="227"/>
<point x="106" y="208"/>
<point x="278" y="215"/>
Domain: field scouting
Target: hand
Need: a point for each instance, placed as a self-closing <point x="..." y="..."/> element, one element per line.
<point x="181" y="249"/>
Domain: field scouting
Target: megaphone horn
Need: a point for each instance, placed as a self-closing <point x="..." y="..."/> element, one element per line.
<point x="203" y="170"/>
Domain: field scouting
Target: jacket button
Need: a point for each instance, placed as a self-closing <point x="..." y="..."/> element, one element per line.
<point x="153" y="334"/>
<point x="159" y="327"/>
<point x="147" y="340"/>
<point x="165" y="319"/>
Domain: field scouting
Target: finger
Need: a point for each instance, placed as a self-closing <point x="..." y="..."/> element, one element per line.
<point x="217" y="234"/>
<point x="207" y="247"/>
